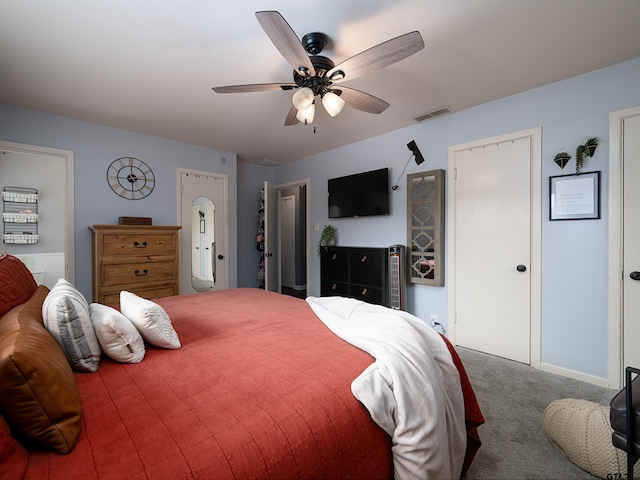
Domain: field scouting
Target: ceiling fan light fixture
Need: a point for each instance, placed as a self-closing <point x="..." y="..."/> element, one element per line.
<point x="337" y="76"/>
<point x="306" y="116"/>
<point x="332" y="103"/>
<point x="303" y="98"/>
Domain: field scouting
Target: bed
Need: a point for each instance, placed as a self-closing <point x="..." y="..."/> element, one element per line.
<point x="260" y="388"/>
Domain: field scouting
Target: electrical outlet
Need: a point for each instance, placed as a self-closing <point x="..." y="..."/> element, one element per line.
<point x="433" y="319"/>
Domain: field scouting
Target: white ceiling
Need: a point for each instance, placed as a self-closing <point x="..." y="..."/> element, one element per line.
<point x="149" y="65"/>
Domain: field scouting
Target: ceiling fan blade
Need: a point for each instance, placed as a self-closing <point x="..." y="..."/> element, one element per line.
<point x="380" y="56"/>
<point x="256" y="87"/>
<point x="286" y="41"/>
<point x="291" y="117"/>
<point x="362" y="101"/>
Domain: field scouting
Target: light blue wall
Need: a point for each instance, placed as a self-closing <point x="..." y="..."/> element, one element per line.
<point x="95" y="147"/>
<point x="574" y="254"/>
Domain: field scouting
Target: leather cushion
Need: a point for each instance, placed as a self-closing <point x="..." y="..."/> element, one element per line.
<point x="620" y="441"/>
<point x="40" y="399"/>
<point x="618" y="412"/>
<point x="16" y="283"/>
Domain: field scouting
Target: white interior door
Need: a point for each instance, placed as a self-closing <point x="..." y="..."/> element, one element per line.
<point x="491" y="246"/>
<point x="631" y="248"/>
<point x="271" y="243"/>
<point x="194" y="186"/>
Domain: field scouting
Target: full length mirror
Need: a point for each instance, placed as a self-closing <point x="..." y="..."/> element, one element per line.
<point x="425" y="227"/>
<point x="203" y="244"/>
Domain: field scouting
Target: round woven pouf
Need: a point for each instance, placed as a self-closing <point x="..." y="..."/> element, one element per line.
<point x="581" y="430"/>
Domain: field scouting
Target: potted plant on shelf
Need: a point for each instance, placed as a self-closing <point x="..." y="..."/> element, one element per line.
<point x="327" y="238"/>
<point x="586" y="149"/>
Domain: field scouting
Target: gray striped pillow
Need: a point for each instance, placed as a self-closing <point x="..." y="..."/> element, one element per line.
<point x="65" y="313"/>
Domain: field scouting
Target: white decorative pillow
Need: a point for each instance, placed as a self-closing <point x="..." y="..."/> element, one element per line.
<point x="118" y="337"/>
<point x="150" y="319"/>
<point x="65" y="313"/>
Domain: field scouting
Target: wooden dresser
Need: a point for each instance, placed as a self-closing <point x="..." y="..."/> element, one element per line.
<point x="137" y="258"/>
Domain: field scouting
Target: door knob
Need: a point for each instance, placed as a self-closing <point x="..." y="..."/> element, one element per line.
<point x="635" y="275"/>
<point x="220" y="257"/>
<point x="521" y="268"/>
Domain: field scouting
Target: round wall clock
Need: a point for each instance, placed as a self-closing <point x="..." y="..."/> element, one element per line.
<point x="130" y="178"/>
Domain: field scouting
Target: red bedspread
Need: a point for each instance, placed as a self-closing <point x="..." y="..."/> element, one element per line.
<point x="260" y="389"/>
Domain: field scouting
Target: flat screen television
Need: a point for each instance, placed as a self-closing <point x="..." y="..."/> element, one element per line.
<point x="360" y="195"/>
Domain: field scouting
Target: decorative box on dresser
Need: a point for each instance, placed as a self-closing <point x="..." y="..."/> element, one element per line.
<point x="356" y="272"/>
<point x="138" y="258"/>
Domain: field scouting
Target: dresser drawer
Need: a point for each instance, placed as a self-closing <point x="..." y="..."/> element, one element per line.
<point x="138" y="272"/>
<point x="329" y="288"/>
<point x="367" y="267"/>
<point x="109" y="297"/>
<point x="334" y="264"/>
<point x="367" y="294"/>
<point x="143" y="243"/>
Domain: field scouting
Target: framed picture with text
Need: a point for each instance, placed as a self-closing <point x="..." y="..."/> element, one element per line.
<point x="574" y="197"/>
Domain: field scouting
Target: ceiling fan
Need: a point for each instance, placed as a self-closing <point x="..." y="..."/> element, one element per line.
<point x="315" y="75"/>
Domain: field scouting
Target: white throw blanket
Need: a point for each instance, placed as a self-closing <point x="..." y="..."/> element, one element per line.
<point x="412" y="390"/>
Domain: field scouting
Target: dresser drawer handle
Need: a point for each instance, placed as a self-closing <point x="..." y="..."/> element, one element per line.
<point x="364" y="292"/>
<point x="334" y="287"/>
<point x="140" y="245"/>
<point x="138" y="274"/>
<point x="363" y="259"/>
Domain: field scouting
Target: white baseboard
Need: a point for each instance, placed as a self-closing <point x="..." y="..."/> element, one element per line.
<point x="583" y="377"/>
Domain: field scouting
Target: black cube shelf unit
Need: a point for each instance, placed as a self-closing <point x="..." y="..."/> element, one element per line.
<point x="356" y="272"/>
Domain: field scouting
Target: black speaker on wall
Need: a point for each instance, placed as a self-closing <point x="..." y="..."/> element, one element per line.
<point x="416" y="152"/>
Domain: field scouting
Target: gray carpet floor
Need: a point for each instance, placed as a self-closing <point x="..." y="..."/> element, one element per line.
<point x="512" y="397"/>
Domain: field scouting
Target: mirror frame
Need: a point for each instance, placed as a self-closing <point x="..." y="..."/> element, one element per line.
<point x="433" y="230"/>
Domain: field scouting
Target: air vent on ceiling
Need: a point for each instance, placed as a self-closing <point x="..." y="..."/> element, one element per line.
<point x="267" y="163"/>
<point x="438" y="112"/>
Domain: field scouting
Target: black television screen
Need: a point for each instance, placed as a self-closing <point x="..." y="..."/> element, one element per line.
<point x="359" y="195"/>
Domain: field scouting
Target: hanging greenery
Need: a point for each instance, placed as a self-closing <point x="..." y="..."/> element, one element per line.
<point x="585" y="149"/>
<point x="562" y="158"/>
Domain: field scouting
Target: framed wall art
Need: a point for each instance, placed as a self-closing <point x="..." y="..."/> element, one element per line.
<point x="574" y="197"/>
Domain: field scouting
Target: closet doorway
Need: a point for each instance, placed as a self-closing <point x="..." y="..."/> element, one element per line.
<point x="286" y="215"/>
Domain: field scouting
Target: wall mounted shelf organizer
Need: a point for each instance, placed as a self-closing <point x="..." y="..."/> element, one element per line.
<point x="20" y="215"/>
